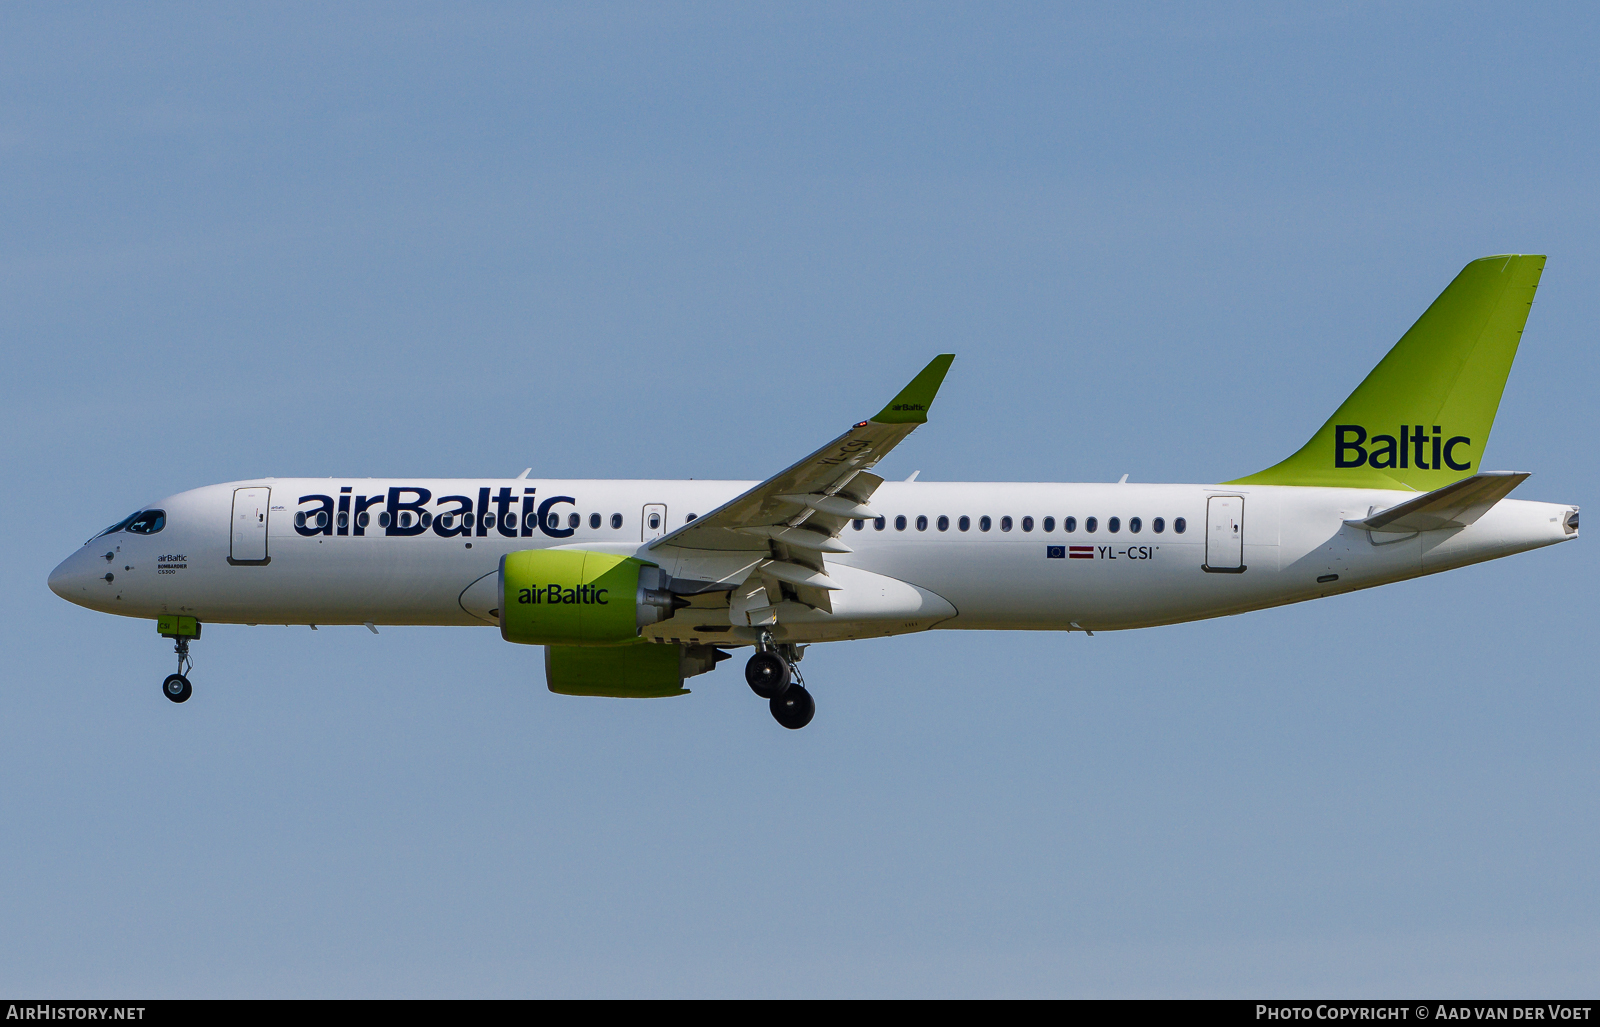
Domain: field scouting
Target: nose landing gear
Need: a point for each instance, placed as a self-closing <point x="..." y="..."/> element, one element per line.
<point x="180" y="630"/>
<point x="772" y="674"/>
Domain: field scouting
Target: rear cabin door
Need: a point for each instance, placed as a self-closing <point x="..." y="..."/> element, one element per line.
<point x="249" y="541"/>
<point x="1225" y="534"/>
<point x="654" y="523"/>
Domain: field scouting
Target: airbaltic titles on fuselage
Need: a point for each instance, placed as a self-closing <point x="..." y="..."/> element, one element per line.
<point x="405" y="512"/>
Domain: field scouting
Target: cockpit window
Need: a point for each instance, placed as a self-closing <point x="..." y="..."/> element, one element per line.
<point x="119" y="525"/>
<point x="148" y="522"/>
<point x="145" y="522"/>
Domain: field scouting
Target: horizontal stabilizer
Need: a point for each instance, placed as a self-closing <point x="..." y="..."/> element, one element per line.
<point x="1454" y="506"/>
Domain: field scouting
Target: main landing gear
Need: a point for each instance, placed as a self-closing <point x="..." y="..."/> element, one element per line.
<point x="180" y="630"/>
<point x="772" y="674"/>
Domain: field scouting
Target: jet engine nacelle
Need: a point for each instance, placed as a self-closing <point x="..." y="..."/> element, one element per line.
<point x="572" y="597"/>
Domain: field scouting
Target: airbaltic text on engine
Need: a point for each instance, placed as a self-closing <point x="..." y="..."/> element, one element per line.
<point x="553" y="593"/>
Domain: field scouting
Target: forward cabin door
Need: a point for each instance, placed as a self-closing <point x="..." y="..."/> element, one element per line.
<point x="654" y="523"/>
<point x="249" y="541"/>
<point x="1225" y="534"/>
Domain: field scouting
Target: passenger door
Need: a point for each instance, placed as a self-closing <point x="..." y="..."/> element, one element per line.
<point x="1225" y="534"/>
<point x="248" y="544"/>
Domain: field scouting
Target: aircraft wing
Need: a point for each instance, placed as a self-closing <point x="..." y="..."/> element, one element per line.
<point x="1454" y="506"/>
<point x="796" y="515"/>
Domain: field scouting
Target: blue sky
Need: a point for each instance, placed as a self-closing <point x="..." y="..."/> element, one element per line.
<point x="692" y="241"/>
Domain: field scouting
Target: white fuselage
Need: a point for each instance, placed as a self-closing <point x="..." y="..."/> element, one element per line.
<point x="220" y="563"/>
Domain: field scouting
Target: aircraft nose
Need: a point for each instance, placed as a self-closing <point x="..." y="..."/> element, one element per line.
<point x="60" y="579"/>
<point x="70" y="579"/>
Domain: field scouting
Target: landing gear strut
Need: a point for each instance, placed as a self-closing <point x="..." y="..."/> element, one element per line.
<point x="180" y="630"/>
<point x="773" y="675"/>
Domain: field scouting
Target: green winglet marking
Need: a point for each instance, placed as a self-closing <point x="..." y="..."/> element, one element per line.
<point x="1421" y="418"/>
<point x="911" y="406"/>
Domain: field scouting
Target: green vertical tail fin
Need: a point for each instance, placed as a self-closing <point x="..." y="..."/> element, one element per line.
<point x="1421" y="418"/>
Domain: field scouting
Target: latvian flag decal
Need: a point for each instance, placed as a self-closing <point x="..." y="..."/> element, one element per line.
<point x="1080" y="552"/>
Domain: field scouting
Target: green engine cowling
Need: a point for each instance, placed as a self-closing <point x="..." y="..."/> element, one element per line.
<point x="643" y="670"/>
<point x="574" y="597"/>
<point x="587" y="609"/>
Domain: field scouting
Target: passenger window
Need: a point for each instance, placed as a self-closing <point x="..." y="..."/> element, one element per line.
<point x="922" y="522"/>
<point x="944" y="523"/>
<point x="900" y="523"/>
<point x="1070" y="524"/>
<point x="858" y="524"/>
<point x="594" y="520"/>
<point x="1134" y="524"/>
<point x="1027" y="524"/>
<point x="1090" y="524"/>
<point x="466" y="520"/>
<point x="300" y="519"/>
<point x="1114" y="525"/>
<point x="363" y="519"/>
<point x="1158" y="525"/>
<point x="984" y="523"/>
<point x="965" y="523"/>
<point x="878" y="523"/>
<point x="573" y="520"/>
<point x="510" y="519"/>
<point x="383" y="519"/>
<point x="616" y="521"/>
<point x="488" y="520"/>
<point x="405" y="519"/>
<point x="1049" y="524"/>
<point x="1179" y="524"/>
<point x="655" y="521"/>
<point x="344" y="521"/>
<point x="445" y="520"/>
<point x="1005" y="523"/>
<point x="689" y="518"/>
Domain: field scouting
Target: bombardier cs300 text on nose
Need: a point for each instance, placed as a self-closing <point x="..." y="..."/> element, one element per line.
<point x="632" y="587"/>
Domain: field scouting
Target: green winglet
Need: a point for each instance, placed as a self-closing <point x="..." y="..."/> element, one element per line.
<point x="911" y="406"/>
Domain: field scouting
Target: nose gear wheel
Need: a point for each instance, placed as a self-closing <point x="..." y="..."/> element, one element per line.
<point x="177" y="688"/>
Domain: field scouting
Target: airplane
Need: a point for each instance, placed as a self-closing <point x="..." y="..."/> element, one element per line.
<point x="633" y="587"/>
